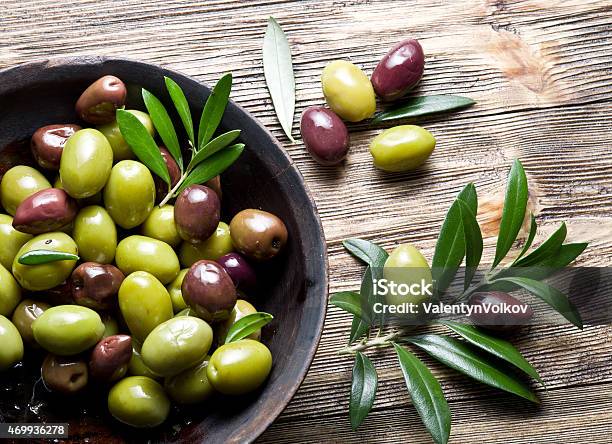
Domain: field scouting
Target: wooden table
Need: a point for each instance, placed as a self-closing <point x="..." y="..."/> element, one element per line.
<point x="541" y="72"/>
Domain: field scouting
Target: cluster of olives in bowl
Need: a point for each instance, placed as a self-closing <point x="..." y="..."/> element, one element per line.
<point x="116" y="290"/>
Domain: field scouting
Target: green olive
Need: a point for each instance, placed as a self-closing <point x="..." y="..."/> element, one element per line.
<point x="10" y="292"/>
<point x="190" y="386"/>
<point x="136" y="366"/>
<point x="68" y="329"/>
<point x="176" y="345"/>
<point x="11" y="351"/>
<point x="19" y="183"/>
<point x="121" y="149"/>
<point x="144" y="303"/>
<point x="241" y="309"/>
<point x="49" y="275"/>
<point x="213" y="248"/>
<point x="348" y="91"/>
<point x="138" y="401"/>
<point x="95" y="234"/>
<point x="11" y="241"/>
<point x="140" y="253"/>
<point x="178" y="303"/>
<point x="86" y="163"/>
<point x="23" y="317"/>
<point x="160" y="225"/>
<point x="408" y="269"/>
<point x="402" y="148"/>
<point x="239" y="367"/>
<point x="111" y="326"/>
<point x="129" y="195"/>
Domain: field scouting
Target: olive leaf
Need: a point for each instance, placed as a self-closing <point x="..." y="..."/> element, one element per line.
<point x="547" y="249"/>
<point x="359" y="327"/>
<point x="469" y="196"/>
<point x="213" y="146"/>
<point x="182" y="107"/>
<point x="39" y="257"/>
<point x="450" y="248"/>
<point x="163" y="125"/>
<point x="367" y="251"/>
<point x="247" y="325"/>
<point x="533" y="228"/>
<point x="423" y="106"/>
<point x="350" y="302"/>
<point x="363" y="389"/>
<point x="473" y="242"/>
<point x="213" y="110"/>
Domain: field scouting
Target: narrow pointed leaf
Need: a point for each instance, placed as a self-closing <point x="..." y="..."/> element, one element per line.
<point x="359" y="327"/>
<point x="182" y="107"/>
<point x="548" y="248"/>
<point x="247" y="325"/>
<point x="163" y="125"/>
<point x="213" y="146"/>
<point x="363" y="389"/>
<point x="367" y="251"/>
<point x="450" y="249"/>
<point x="533" y="228"/>
<point x="468" y="195"/>
<point x="214" y="109"/>
<point x="350" y="302"/>
<point x="423" y="106"/>
<point x="473" y="242"/>
<point x="39" y="257"/>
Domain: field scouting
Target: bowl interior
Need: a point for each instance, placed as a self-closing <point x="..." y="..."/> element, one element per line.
<point x="293" y="287"/>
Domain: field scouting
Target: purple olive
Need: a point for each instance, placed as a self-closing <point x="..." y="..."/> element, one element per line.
<point x="110" y="357"/>
<point x="325" y="135"/>
<point x="399" y="70"/>
<point x="493" y="301"/>
<point x="161" y="187"/>
<point x="60" y="294"/>
<point x="215" y="185"/>
<point x="96" y="285"/>
<point x="64" y="374"/>
<point x="48" y="143"/>
<point x="101" y="99"/>
<point x="209" y="290"/>
<point x="240" y="271"/>
<point x="197" y="212"/>
<point x="45" y="211"/>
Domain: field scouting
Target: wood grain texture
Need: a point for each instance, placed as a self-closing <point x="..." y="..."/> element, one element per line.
<point x="541" y="72"/>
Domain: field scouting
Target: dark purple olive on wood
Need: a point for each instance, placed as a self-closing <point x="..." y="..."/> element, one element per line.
<point x="209" y="290"/>
<point x="98" y="103"/>
<point x="110" y="357"/>
<point x="45" y="211"/>
<point x="494" y="301"/>
<point x="258" y="234"/>
<point x="161" y="187"/>
<point x="215" y="185"/>
<point x="325" y="135"/>
<point x="64" y="374"/>
<point x="96" y="285"/>
<point x="240" y="271"/>
<point x="399" y="70"/>
<point x="197" y="212"/>
<point x="48" y="143"/>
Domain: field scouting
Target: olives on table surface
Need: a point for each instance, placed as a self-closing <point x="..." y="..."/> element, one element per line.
<point x="44" y="211"/>
<point x="241" y="309"/>
<point x="64" y="374"/>
<point x="348" y="91"/>
<point x="190" y="386"/>
<point x="325" y="135"/>
<point x="141" y="253"/>
<point x="258" y="234"/>
<point x="503" y="322"/>
<point x="160" y="225"/>
<point x="240" y="271"/>
<point x="68" y="329"/>
<point x="161" y="187"/>
<point x="121" y="149"/>
<point x="101" y="99"/>
<point x="402" y="148"/>
<point x="217" y="245"/>
<point x="11" y="241"/>
<point x="110" y="357"/>
<point x="49" y="275"/>
<point x="239" y="367"/>
<point x="10" y="292"/>
<point x="19" y="183"/>
<point x="407" y="266"/>
<point x="96" y="285"/>
<point x="176" y="294"/>
<point x="209" y="290"/>
<point x="95" y="234"/>
<point x="11" y="351"/>
<point x="48" y="143"/>
<point x="138" y="401"/>
<point x="399" y="70"/>
<point x="197" y="212"/>
<point x="129" y="195"/>
<point x="24" y="315"/>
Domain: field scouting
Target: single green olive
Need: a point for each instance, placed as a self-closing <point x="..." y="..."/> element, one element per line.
<point x="239" y="367"/>
<point x="19" y="183"/>
<point x="121" y="149"/>
<point x="348" y="91"/>
<point x="11" y="241"/>
<point x="23" y="317"/>
<point x="10" y="292"/>
<point x="190" y="386"/>
<point x="176" y="295"/>
<point x="217" y="245"/>
<point x="176" y="345"/>
<point x="144" y="303"/>
<point x="141" y="253"/>
<point x="402" y="148"/>
<point x="136" y="366"/>
<point x="129" y="195"/>
<point x="408" y="272"/>
<point x="138" y="401"/>
<point x="86" y="163"/>
<point x="160" y="225"/>
<point x="68" y="329"/>
<point x="49" y="275"/>
<point x="11" y="351"/>
<point x="241" y="309"/>
<point x="95" y="235"/>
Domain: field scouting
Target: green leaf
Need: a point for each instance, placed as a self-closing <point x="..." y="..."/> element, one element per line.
<point x="278" y="71"/>
<point x="533" y="227"/>
<point x="513" y="214"/>
<point x="39" y="257"/>
<point x="473" y="242"/>
<point x="182" y="107"/>
<point x="565" y="255"/>
<point x="423" y="106"/>
<point x="214" y="109"/>
<point x="350" y="302"/>
<point x="547" y="249"/>
<point x="548" y="294"/>
<point x="461" y="357"/>
<point x="469" y="196"/>
<point x="142" y="144"/>
<point x="426" y="394"/>
<point x="212" y="147"/>
<point x="497" y="347"/>
<point x="367" y="295"/>
<point x="359" y="327"/>
<point x="163" y="125"/>
<point x="212" y="166"/>
<point x="247" y="325"/>
<point x="363" y="389"/>
<point x="367" y="251"/>
<point x="450" y="248"/>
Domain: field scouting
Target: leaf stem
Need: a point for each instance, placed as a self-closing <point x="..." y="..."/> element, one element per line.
<point x="379" y="341"/>
<point x="173" y="190"/>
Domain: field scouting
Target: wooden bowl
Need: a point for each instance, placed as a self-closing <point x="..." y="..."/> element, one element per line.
<point x="293" y="287"/>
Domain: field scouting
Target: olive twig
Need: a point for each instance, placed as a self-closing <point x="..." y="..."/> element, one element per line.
<point x="381" y="341"/>
<point x="173" y="190"/>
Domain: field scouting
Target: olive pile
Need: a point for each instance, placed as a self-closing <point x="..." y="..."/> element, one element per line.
<point x="126" y="307"/>
<point x="351" y="96"/>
